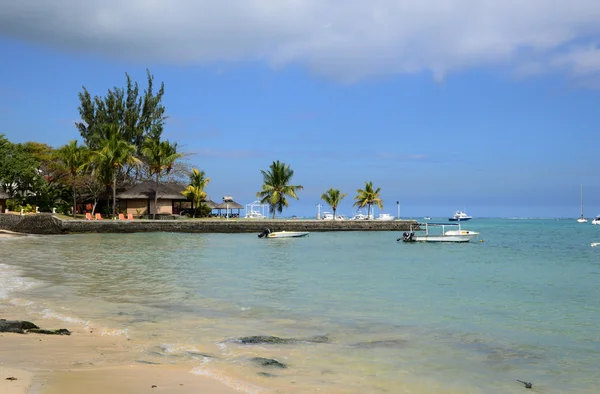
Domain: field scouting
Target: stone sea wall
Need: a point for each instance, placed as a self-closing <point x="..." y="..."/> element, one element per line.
<point x="48" y="224"/>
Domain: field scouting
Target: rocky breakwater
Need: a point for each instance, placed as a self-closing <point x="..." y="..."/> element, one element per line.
<point x="231" y="226"/>
<point x="48" y="224"/>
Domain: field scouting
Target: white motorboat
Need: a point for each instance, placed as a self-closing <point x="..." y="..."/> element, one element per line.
<point x="437" y="232"/>
<point x="596" y="220"/>
<point x="329" y="216"/>
<point x="361" y="216"/>
<point x="267" y="233"/>
<point x="385" y="216"/>
<point x="256" y="210"/>
<point x="426" y="218"/>
<point x="581" y="218"/>
<point x="460" y="216"/>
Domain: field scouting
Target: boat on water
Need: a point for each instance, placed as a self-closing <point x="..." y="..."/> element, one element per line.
<point x="437" y="232"/>
<point x="267" y="233"/>
<point x="329" y="216"/>
<point x="427" y="218"/>
<point x="460" y="216"/>
<point x="385" y="216"/>
<point x="360" y="216"/>
<point x="256" y="210"/>
<point x="596" y="220"/>
<point x="581" y="218"/>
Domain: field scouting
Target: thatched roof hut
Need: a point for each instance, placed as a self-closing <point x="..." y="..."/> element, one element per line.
<point x="140" y="198"/>
<point x="229" y="206"/>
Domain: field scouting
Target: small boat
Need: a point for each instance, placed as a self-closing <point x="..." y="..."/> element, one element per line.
<point x="329" y="216"/>
<point x="359" y="216"/>
<point x="460" y="216"/>
<point x="424" y="233"/>
<point x="596" y="220"/>
<point x="594" y="244"/>
<point x="581" y="218"/>
<point x="267" y="233"/>
<point x="384" y="216"/>
<point x="426" y="218"/>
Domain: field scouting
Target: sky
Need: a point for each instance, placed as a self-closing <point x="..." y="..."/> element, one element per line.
<point x="485" y="106"/>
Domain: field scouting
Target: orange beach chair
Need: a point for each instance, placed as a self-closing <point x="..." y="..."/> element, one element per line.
<point x="121" y="216"/>
<point x="130" y="216"/>
<point x="98" y="217"/>
<point x="88" y="216"/>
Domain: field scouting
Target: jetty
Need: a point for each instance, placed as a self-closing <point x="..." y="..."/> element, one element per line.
<point x="50" y="224"/>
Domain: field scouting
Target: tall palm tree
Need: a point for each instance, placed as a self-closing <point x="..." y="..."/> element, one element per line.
<point x="276" y="186"/>
<point x="159" y="156"/>
<point x="333" y="197"/>
<point x="113" y="155"/>
<point x="195" y="190"/>
<point x="368" y="197"/>
<point x="74" y="158"/>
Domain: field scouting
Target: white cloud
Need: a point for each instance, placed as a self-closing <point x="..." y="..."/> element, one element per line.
<point x="346" y="40"/>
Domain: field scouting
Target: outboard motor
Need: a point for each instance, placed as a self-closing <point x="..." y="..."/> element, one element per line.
<point x="264" y="233"/>
<point x="405" y="236"/>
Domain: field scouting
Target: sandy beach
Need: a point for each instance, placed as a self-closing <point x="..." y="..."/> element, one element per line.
<point x="88" y="362"/>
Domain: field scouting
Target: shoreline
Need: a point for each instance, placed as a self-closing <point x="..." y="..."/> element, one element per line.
<point x="86" y="361"/>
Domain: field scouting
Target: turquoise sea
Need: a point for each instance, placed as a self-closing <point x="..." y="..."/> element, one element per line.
<point x="413" y="318"/>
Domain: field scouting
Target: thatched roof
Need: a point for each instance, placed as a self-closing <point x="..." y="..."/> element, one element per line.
<point x="229" y="204"/>
<point x="146" y="190"/>
<point x="3" y="195"/>
<point x="209" y="203"/>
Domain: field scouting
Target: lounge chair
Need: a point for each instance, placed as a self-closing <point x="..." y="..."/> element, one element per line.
<point x="130" y="216"/>
<point x="121" y="217"/>
<point x="88" y="216"/>
<point x="98" y="217"/>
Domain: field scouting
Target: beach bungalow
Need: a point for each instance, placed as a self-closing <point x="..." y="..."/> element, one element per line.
<point x="139" y="200"/>
<point x="3" y="198"/>
<point x="229" y="205"/>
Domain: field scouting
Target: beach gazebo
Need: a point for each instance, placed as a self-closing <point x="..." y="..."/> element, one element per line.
<point x="3" y="197"/>
<point x="229" y="205"/>
<point x="139" y="199"/>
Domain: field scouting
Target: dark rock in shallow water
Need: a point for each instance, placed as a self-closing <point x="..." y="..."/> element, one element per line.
<point x="266" y="374"/>
<point x="264" y="339"/>
<point x="16" y="326"/>
<point x="389" y="343"/>
<point x="268" y="362"/>
<point x="60" y="331"/>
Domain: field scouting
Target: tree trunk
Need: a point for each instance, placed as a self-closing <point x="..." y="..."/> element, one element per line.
<point x="114" y="194"/>
<point x="74" y="200"/>
<point x="156" y="196"/>
<point x="334" y="213"/>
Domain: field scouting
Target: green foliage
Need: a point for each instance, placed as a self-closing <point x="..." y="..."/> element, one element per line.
<point x="195" y="191"/>
<point x="276" y="187"/>
<point x="333" y="197"/>
<point x="74" y="159"/>
<point x="368" y="196"/>
<point x="138" y="117"/>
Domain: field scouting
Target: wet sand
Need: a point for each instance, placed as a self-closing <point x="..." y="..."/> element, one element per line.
<point x="86" y="362"/>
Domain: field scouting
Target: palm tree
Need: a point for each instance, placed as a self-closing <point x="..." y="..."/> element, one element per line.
<point x="368" y="197"/>
<point x="160" y="155"/>
<point x="114" y="154"/>
<point x="195" y="190"/>
<point x="333" y="197"/>
<point x="276" y="187"/>
<point x="75" y="158"/>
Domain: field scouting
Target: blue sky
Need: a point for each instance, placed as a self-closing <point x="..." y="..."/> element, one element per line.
<point x="491" y="108"/>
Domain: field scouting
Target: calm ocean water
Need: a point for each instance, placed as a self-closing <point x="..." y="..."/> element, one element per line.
<point x="456" y="318"/>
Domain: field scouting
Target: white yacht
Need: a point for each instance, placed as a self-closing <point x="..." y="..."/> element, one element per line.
<point x="384" y="216"/>
<point x="460" y="216"/>
<point x="596" y="220"/>
<point x="329" y="216"/>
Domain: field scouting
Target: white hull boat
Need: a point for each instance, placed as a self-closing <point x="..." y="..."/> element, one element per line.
<point x="385" y="217"/>
<point x="329" y="216"/>
<point x="596" y="220"/>
<point x="267" y="233"/>
<point x="460" y="216"/>
<point x="426" y="233"/>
